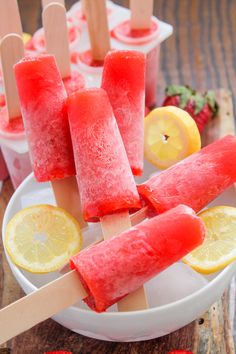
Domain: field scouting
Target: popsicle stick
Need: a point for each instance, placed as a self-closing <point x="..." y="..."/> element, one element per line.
<point x="40" y="305"/>
<point x="113" y="225"/>
<point x="9" y="18"/>
<point x="11" y="51"/>
<point x="46" y="2"/>
<point x="139" y="216"/>
<point x="56" y="36"/>
<point x="96" y="16"/>
<point x="67" y="197"/>
<point x="82" y="7"/>
<point x="141" y="13"/>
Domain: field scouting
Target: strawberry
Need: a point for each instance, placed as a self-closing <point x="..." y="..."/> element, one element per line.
<point x="202" y="108"/>
<point x="180" y="352"/>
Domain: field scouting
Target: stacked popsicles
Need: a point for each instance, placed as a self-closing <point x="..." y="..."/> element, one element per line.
<point x="103" y="162"/>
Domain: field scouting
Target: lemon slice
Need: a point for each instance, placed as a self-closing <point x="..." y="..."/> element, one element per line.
<point x="171" y="134"/>
<point x="26" y="37"/>
<point x="41" y="238"/>
<point x="219" y="247"/>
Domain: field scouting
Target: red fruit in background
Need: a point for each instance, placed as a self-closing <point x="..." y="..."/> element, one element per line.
<point x="201" y="107"/>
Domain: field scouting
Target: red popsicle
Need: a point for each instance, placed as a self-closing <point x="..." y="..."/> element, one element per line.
<point x="196" y="180"/>
<point x="124" y="80"/>
<point x="114" y="268"/>
<point x="42" y="97"/>
<point x="104" y="176"/>
<point x="43" y="103"/>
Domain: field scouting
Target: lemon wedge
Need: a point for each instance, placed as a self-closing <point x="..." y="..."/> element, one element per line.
<point x="219" y="247"/>
<point x="171" y="134"/>
<point x="41" y="238"/>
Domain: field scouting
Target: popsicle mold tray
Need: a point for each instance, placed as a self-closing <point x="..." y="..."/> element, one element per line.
<point x="116" y="15"/>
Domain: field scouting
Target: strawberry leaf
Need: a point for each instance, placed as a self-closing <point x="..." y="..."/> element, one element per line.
<point x="184" y="93"/>
<point x="211" y="100"/>
<point x="199" y="102"/>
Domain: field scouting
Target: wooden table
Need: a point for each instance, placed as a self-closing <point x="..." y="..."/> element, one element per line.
<point x="201" y="53"/>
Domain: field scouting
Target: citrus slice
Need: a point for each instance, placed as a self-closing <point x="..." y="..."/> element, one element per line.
<point x="26" y="37"/>
<point x="219" y="247"/>
<point x="171" y="134"/>
<point x="41" y="238"/>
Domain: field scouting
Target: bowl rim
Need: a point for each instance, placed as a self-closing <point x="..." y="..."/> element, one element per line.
<point x="229" y="270"/>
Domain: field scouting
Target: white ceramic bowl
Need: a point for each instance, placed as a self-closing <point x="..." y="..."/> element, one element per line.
<point x="129" y="326"/>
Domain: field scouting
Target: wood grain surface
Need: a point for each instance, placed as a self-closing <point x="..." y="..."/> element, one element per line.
<point x="202" y="53"/>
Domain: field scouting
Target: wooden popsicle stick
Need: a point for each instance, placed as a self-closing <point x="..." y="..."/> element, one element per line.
<point x="40" y="305"/>
<point x="11" y="51"/>
<point x="96" y="16"/>
<point x="9" y="18"/>
<point x="113" y="225"/>
<point x="46" y="2"/>
<point x="82" y="7"/>
<point x="139" y="216"/>
<point x="56" y="36"/>
<point x="67" y="196"/>
<point x="141" y="13"/>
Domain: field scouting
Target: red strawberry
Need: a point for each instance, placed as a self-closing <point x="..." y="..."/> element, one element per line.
<point x="180" y="352"/>
<point x="202" y="108"/>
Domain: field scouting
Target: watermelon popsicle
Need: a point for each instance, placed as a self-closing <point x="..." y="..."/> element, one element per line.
<point x="107" y="187"/>
<point x="103" y="172"/>
<point x="43" y="104"/>
<point x="124" y="81"/>
<point x="53" y="14"/>
<point x="109" y="270"/>
<point x="195" y="181"/>
<point x="132" y="258"/>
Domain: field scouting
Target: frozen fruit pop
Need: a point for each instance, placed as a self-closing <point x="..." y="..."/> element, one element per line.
<point x="43" y="104"/>
<point x="108" y="190"/>
<point x="196" y="180"/>
<point x="104" y="176"/>
<point x="110" y="270"/>
<point x="117" y="267"/>
<point x="124" y="81"/>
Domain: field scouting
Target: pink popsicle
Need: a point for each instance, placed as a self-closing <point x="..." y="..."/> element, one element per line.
<point x="104" y="176"/>
<point x="124" y="80"/>
<point x="43" y="96"/>
<point x="114" y="268"/>
<point x="195" y="181"/>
